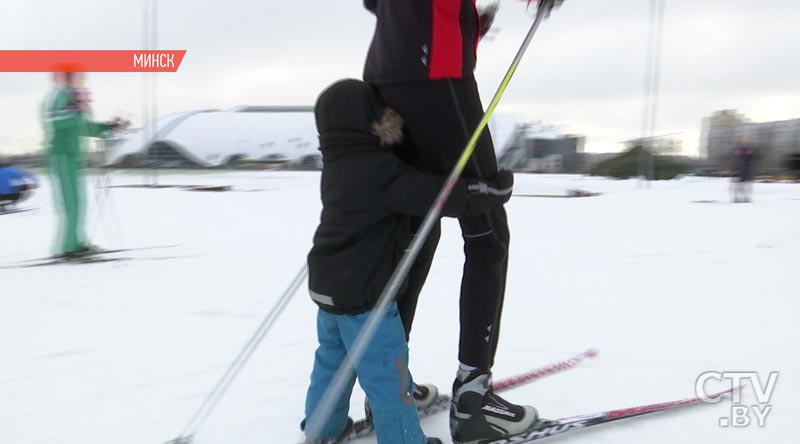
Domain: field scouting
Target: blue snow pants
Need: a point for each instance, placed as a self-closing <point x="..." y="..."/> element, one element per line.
<point x="382" y="373"/>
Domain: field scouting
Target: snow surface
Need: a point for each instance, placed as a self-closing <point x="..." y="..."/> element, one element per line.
<point x="665" y="286"/>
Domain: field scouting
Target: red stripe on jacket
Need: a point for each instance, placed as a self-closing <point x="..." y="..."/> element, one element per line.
<point x="479" y="30"/>
<point x="446" y="58"/>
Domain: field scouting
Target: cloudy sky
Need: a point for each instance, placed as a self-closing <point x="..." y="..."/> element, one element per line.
<point x="585" y="68"/>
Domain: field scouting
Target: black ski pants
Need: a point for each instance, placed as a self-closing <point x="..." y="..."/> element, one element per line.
<point x="440" y="117"/>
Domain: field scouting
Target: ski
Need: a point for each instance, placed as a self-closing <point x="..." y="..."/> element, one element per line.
<point x="92" y="259"/>
<point x="89" y="259"/>
<point x="53" y="259"/>
<point x="364" y="427"/>
<point x="15" y="211"/>
<point x="581" y="422"/>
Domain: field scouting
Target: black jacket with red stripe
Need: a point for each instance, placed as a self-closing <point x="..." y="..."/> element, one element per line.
<point x="422" y="40"/>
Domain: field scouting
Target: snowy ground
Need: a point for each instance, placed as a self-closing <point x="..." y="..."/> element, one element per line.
<point x="666" y="287"/>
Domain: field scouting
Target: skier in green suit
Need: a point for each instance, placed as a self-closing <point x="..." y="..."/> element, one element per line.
<point x="67" y="121"/>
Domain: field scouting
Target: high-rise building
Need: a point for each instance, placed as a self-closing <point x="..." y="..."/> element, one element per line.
<point x="720" y="119"/>
<point x="538" y="148"/>
<point x="774" y="141"/>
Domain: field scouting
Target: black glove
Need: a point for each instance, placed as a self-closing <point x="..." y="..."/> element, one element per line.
<point x="484" y="195"/>
<point x="547" y="6"/>
<point x="486" y="16"/>
<point x="119" y="124"/>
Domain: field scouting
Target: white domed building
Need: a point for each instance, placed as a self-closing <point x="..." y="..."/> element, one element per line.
<point x="213" y="138"/>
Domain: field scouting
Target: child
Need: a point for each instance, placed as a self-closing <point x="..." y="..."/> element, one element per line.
<point x="368" y="194"/>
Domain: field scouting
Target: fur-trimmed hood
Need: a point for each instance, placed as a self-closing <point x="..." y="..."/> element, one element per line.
<point x="351" y="109"/>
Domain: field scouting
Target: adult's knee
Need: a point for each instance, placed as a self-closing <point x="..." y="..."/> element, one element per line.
<point x="488" y="248"/>
<point x="486" y="236"/>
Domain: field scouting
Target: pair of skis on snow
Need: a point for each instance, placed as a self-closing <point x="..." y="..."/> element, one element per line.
<point x="94" y="257"/>
<point x="364" y="427"/>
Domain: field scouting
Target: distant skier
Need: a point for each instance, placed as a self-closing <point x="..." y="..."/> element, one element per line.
<point x="15" y="185"/>
<point x="744" y="158"/>
<point x="421" y="59"/>
<point x="368" y="194"/>
<point x="66" y="118"/>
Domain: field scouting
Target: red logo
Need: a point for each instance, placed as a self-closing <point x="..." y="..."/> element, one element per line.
<point x="91" y="60"/>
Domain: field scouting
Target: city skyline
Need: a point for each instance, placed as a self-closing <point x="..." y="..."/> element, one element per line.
<point x="584" y="71"/>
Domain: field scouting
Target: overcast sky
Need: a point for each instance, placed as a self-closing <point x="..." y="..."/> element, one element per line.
<point x="584" y="70"/>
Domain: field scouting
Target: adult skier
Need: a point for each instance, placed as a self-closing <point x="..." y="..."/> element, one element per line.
<point x="421" y="60"/>
<point x="368" y="194"/>
<point x="66" y="118"/>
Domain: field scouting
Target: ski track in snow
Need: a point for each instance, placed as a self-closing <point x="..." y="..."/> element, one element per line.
<point x="665" y="286"/>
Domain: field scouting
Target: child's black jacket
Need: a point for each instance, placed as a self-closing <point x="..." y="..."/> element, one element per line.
<point x="368" y="192"/>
